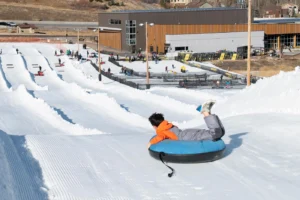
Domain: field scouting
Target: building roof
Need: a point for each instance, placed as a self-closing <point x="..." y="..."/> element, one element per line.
<point x="179" y="5"/>
<point x="173" y="10"/>
<point x="25" y="26"/>
<point x="102" y="28"/>
<point x="277" y="21"/>
<point x="289" y="4"/>
<point x="195" y="4"/>
<point x="272" y="7"/>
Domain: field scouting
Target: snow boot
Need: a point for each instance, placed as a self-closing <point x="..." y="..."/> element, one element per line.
<point x="206" y="107"/>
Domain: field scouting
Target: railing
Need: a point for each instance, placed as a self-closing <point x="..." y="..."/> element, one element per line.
<point x="181" y="80"/>
<point x="120" y="80"/>
<point x="157" y="75"/>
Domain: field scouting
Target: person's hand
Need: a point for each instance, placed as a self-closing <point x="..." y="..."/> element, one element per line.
<point x="148" y="146"/>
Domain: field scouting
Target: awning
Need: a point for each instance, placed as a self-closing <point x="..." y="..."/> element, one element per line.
<point x="105" y="28"/>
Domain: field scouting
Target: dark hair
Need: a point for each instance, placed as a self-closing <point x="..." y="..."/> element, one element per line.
<point x="156" y="118"/>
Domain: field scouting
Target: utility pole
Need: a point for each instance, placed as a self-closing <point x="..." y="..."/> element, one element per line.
<point x="249" y="44"/>
<point x="147" y="70"/>
<point x="99" y="58"/>
<point x="78" y="40"/>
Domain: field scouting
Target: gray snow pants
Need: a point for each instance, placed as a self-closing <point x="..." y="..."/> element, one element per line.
<point x="214" y="132"/>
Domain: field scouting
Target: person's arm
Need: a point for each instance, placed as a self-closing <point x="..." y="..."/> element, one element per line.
<point x="155" y="140"/>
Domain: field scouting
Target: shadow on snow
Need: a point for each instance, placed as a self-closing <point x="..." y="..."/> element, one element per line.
<point x="22" y="170"/>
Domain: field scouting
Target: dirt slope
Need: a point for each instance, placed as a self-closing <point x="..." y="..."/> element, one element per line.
<point x="58" y="10"/>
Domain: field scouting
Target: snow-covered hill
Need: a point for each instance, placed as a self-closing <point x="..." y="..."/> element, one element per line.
<point x="66" y="136"/>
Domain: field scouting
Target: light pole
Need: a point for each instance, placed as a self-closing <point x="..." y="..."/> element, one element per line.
<point x="99" y="58"/>
<point x="77" y="38"/>
<point x="147" y="65"/>
<point x="249" y="43"/>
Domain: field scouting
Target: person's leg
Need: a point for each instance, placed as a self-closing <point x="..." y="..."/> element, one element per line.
<point x="214" y="124"/>
<point x="216" y="128"/>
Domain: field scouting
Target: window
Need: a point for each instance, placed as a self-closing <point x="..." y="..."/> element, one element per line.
<point x="298" y="40"/>
<point x="114" y="21"/>
<point x="287" y="40"/>
<point x="130" y="32"/>
<point x="181" y="48"/>
<point x="271" y="42"/>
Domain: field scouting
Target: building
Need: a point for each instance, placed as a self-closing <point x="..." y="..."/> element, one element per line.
<point x="180" y="2"/>
<point x="179" y="24"/>
<point x="272" y="11"/>
<point x="198" y="4"/>
<point x="291" y="7"/>
<point x="26" y="28"/>
<point x="132" y="35"/>
<point x="212" y="42"/>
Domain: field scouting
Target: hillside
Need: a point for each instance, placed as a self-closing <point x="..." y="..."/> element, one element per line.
<point x="69" y="10"/>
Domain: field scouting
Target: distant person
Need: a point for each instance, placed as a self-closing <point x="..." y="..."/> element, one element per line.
<point x="1" y="51"/>
<point x="40" y="72"/>
<point x="117" y="57"/>
<point x="165" y="130"/>
<point x="166" y="69"/>
<point x="173" y="66"/>
<point x="59" y="61"/>
<point x="108" y="70"/>
<point x="17" y="50"/>
<point x="79" y="57"/>
<point x="55" y="53"/>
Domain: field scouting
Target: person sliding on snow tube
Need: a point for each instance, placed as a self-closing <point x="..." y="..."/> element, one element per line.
<point x="40" y="72"/>
<point x="166" y="130"/>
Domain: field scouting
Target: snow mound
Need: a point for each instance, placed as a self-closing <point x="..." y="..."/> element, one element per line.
<point x="277" y="94"/>
<point x="20" y="174"/>
<point x="41" y="108"/>
<point x="193" y="97"/>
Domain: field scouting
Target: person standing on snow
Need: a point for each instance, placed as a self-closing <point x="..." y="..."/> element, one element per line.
<point x="59" y="61"/>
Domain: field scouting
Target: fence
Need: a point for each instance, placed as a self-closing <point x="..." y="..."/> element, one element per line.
<point x="181" y="80"/>
<point x="157" y="75"/>
<point x="121" y="80"/>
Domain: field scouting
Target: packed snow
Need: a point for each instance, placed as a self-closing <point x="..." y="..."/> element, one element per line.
<point x="140" y="66"/>
<point x="67" y="136"/>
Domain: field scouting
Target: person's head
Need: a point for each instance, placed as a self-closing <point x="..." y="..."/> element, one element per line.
<point x="155" y="119"/>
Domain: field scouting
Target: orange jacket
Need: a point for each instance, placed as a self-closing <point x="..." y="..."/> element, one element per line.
<point x="163" y="132"/>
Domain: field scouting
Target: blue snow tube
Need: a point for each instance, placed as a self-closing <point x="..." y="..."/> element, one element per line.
<point x="179" y="151"/>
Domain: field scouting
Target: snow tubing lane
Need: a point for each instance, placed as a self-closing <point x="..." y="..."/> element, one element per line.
<point x="179" y="151"/>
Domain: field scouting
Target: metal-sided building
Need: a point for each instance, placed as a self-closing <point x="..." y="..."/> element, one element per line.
<point x="190" y="26"/>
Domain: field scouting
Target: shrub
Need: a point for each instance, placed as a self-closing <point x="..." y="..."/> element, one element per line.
<point x="104" y="7"/>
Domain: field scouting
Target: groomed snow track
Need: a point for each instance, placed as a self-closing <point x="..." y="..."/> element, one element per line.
<point x="65" y="136"/>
